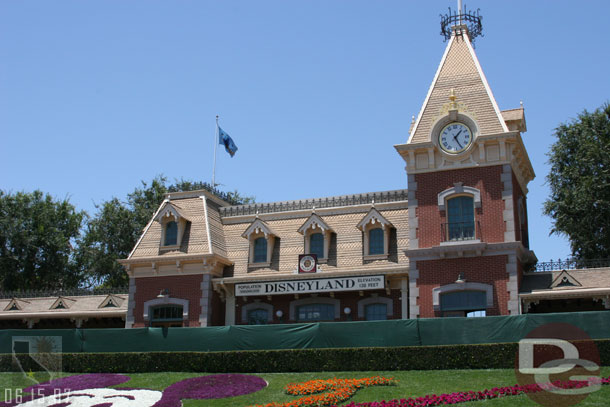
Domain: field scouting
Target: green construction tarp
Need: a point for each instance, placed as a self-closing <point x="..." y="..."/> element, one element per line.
<point x="412" y="332"/>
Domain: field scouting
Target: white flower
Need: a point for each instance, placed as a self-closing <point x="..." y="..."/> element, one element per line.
<point x="92" y="397"/>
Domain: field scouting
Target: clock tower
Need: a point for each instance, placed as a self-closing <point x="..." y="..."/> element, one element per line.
<point x="468" y="172"/>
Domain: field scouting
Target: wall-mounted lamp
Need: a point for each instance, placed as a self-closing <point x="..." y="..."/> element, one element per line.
<point x="461" y="278"/>
<point x="279" y="314"/>
<point x="348" y="311"/>
<point x="163" y="293"/>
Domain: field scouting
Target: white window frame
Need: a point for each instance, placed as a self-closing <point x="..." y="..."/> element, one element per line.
<point x="315" y="224"/>
<point x="166" y="301"/>
<point x="466" y="286"/>
<point x="257" y="229"/>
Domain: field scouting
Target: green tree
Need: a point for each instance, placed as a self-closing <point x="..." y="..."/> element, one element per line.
<point x="36" y="238"/>
<point x="579" y="203"/>
<point x="115" y="229"/>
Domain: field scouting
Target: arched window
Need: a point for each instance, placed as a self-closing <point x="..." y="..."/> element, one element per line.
<point x="376" y="312"/>
<point x="460" y="217"/>
<point x="316" y="312"/>
<point x="258" y="316"/>
<point x="166" y="315"/>
<point x="260" y="250"/>
<point x="171" y="233"/>
<point x="376" y="241"/>
<point x="316" y="245"/>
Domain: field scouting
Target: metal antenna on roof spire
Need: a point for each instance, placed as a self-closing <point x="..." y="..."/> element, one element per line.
<point x="215" y="147"/>
<point x="461" y="21"/>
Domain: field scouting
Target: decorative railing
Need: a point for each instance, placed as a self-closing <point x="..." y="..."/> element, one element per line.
<point x="470" y="19"/>
<point x="73" y="292"/>
<point x="458" y="231"/>
<point x="570" y="264"/>
<point x="308" y="204"/>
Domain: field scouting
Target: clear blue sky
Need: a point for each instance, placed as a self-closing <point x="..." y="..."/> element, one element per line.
<point x="98" y="95"/>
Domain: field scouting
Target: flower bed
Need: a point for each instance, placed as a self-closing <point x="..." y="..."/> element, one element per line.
<point x="465" y="396"/>
<point x="339" y="390"/>
<point x="217" y="386"/>
<point x="93" y="389"/>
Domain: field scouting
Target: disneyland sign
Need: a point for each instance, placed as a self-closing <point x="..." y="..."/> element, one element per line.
<point x="319" y="285"/>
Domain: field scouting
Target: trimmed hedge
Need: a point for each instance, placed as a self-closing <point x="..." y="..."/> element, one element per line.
<point x="491" y="356"/>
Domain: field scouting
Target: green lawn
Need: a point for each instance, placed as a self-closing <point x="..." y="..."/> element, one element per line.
<point x="410" y="384"/>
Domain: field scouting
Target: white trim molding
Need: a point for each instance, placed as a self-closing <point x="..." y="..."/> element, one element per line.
<point x="314" y="300"/>
<point x="256" y="305"/>
<point x="166" y="301"/>
<point x="375" y="300"/>
<point x="458" y="189"/>
<point x="449" y="288"/>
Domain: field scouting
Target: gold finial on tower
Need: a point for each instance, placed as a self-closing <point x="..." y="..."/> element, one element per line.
<point x="452" y="97"/>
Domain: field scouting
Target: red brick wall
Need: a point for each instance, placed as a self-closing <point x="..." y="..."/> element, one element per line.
<point x="490" y="215"/>
<point x="187" y="287"/>
<point x="485" y="269"/>
<point x="521" y="234"/>
<point x="348" y="299"/>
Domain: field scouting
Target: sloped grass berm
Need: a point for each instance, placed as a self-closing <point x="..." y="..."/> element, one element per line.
<point x="491" y="356"/>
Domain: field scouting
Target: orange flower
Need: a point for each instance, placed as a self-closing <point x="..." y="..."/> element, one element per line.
<point x="339" y="390"/>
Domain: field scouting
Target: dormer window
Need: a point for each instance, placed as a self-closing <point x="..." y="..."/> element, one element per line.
<point x="376" y="232"/>
<point x="260" y="250"/>
<point x="316" y="245"/>
<point x="173" y="223"/>
<point x="171" y="234"/>
<point x="317" y="236"/>
<point x="376" y="241"/>
<point x="262" y="240"/>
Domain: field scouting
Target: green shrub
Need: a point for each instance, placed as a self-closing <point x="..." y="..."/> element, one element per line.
<point x="490" y="356"/>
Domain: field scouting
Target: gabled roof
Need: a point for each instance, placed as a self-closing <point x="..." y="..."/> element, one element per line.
<point x="374" y="217"/>
<point x="14" y="305"/>
<point x="46" y="307"/>
<point x="111" y="301"/>
<point x="565" y="279"/>
<point x="62" y="303"/>
<point x="459" y="70"/>
<point x="256" y="227"/>
<point x="314" y="221"/>
<point x="170" y="209"/>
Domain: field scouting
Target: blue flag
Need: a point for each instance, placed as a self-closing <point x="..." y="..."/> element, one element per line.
<point x="227" y="141"/>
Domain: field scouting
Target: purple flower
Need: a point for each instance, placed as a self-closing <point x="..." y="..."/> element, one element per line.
<point x="210" y="387"/>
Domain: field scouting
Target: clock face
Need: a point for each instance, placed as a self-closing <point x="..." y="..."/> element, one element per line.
<point x="455" y="138"/>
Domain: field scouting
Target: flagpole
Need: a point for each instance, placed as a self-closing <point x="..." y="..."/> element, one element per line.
<point x="215" y="148"/>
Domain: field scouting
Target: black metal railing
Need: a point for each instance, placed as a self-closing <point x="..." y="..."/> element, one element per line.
<point x="471" y="19"/>
<point x="73" y="292"/>
<point x="457" y="231"/>
<point x="569" y="264"/>
<point x="307" y="204"/>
